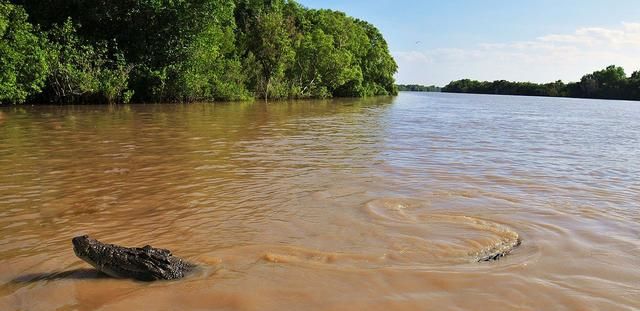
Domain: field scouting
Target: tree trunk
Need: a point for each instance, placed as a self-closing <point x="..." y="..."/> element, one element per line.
<point x="266" y="90"/>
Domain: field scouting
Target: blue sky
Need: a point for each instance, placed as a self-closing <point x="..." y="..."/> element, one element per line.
<point x="535" y="40"/>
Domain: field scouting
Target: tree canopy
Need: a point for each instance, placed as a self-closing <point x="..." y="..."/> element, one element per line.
<point x="187" y="50"/>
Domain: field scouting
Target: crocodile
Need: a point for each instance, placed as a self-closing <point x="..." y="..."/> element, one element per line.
<point x="142" y="264"/>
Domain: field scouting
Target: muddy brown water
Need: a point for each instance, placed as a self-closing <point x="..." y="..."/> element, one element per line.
<point x="375" y="204"/>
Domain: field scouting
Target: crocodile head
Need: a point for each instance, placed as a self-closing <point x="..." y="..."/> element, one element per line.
<point x="88" y="249"/>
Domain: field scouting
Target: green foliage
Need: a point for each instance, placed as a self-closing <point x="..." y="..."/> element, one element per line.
<point x="609" y="83"/>
<point x="633" y="85"/>
<point x="23" y="56"/>
<point x="291" y="51"/>
<point x="378" y="65"/>
<point x="341" y="69"/>
<point x="206" y="50"/>
<point x="81" y="72"/>
<point x="267" y="40"/>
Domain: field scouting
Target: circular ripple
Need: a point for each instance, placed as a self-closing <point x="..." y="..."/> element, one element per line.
<point x="437" y="238"/>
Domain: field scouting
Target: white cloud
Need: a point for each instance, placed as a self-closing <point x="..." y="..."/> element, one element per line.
<point x="544" y="59"/>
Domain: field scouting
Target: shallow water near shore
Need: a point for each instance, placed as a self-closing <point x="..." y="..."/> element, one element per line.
<point x="371" y="204"/>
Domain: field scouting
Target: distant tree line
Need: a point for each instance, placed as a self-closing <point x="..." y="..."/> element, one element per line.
<point x="418" y="88"/>
<point x="609" y="83"/>
<point x="99" y="51"/>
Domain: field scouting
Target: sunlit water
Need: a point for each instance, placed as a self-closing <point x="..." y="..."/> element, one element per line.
<point x="376" y="204"/>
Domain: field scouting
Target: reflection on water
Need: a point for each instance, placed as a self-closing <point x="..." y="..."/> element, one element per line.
<point x="370" y="204"/>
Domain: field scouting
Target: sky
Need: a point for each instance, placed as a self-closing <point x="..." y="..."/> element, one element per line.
<point x="435" y="42"/>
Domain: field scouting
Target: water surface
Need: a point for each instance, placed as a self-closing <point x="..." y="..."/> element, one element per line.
<point x="375" y="204"/>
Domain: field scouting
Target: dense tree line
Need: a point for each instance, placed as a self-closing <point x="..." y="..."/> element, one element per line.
<point x="70" y="51"/>
<point x="609" y="83"/>
<point x="418" y="88"/>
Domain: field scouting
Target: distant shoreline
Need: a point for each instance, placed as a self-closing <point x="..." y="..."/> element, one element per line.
<point x="609" y="83"/>
<point x="418" y="88"/>
<point x="533" y="96"/>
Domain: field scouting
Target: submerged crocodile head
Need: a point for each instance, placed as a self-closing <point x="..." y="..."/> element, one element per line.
<point x="145" y="264"/>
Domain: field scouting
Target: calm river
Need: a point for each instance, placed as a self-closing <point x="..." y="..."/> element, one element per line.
<point x="376" y="204"/>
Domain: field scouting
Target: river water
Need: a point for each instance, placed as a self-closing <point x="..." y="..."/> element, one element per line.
<point x="374" y="204"/>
